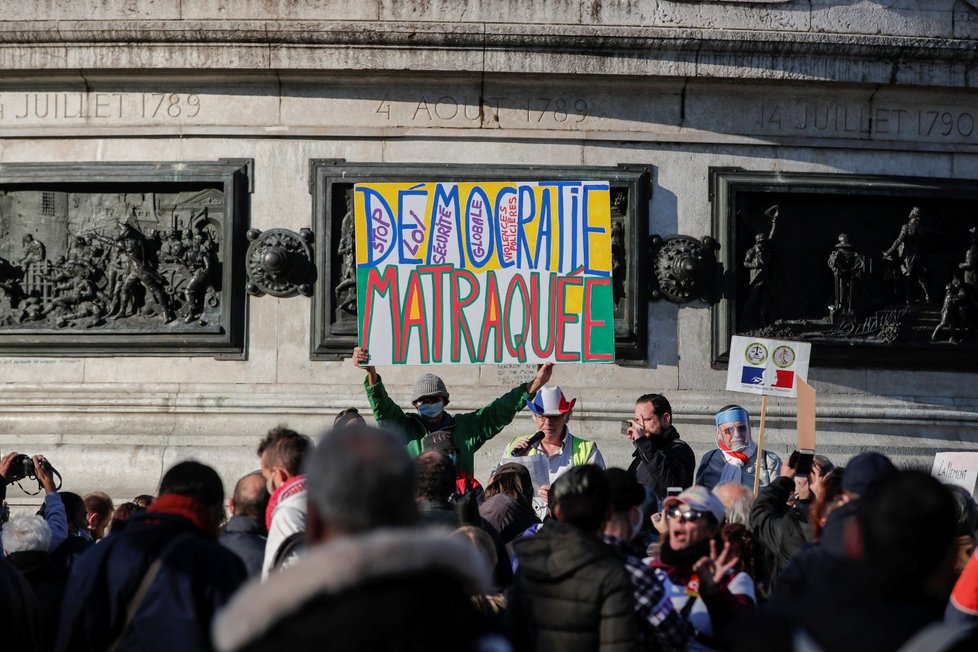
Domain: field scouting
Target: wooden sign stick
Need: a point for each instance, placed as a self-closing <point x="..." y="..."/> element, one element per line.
<point x="760" y="447"/>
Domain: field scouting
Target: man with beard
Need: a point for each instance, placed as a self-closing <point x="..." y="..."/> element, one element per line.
<point x="661" y="459"/>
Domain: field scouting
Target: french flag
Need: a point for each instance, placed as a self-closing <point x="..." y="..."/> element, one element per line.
<point x="785" y="380"/>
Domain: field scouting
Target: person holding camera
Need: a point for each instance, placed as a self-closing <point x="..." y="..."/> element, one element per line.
<point x="16" y="466"/>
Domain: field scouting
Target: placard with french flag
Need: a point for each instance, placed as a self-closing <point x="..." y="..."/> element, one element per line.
<point x="771" y="367"/>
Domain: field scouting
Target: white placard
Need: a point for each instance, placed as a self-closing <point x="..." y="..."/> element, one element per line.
<point x="771" y="367"/>
<point x="536" y="465"/>
<point x="958" y="468"/>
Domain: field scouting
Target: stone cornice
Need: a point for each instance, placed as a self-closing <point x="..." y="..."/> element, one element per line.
<point x="482" y="47"/>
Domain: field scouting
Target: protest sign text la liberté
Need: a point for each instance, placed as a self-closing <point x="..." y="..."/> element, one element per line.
<point x="497" y="272"/>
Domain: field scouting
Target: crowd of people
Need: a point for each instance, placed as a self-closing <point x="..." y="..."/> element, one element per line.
<point x="380" y="537"/>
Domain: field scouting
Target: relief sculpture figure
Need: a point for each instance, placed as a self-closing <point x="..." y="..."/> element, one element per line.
<point x="906" y="249"/>
<point x="199" y="259"/>
<point x="34" y="252"/>
<point x="952" y="311"/>
<point x="131" y="246"/>
<point x="847" y="267"/>
<point x="758" y="261"/>
<point x="346" y="289"/>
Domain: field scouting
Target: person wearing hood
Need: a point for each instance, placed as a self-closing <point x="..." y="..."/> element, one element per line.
<point x="430" y="397"/>
<point x="735" y="457"/>
<point x="572" y="592"/>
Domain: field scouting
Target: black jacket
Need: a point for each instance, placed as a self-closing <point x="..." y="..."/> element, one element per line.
<point x="49" y="589"/>
<point x="781" y="529"/>
<point x="19" y="620"/>
<point x="573" y="592"/>
<point x="662" y="462"/>
<point x="245" y="537"/>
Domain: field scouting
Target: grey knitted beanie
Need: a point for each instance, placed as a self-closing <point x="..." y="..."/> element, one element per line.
<point x="429" y="385"/>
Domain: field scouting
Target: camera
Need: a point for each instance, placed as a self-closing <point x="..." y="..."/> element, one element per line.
<point x="22" y="467"/>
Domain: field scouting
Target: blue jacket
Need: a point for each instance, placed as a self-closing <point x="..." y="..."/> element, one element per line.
<point x="198" y="577"/>
<point x="712" y="463"/>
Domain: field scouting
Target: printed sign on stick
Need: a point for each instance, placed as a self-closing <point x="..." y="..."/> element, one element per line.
<point x="496" y="272"/>
<point x="769" y="367"/>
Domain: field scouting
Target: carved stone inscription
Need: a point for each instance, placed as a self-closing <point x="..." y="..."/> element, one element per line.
<point x="847" y="120"/>
<point x="110" y="260"/>
<point x="39" y="107"/>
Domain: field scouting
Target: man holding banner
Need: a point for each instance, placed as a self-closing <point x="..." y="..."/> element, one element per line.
<point x="735" y="456"/>
<point x="430" y="397"/>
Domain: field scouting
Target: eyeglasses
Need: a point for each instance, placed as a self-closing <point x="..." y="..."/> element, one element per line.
<point x="688" y="516"/>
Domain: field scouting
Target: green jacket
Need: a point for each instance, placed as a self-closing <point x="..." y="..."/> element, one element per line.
<point x="471" y="429"/>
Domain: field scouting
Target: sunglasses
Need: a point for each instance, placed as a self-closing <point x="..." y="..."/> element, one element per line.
<point x="688" y="516"/>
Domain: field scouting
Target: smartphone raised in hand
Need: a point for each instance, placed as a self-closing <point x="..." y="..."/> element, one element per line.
<point x="801" y="461"/>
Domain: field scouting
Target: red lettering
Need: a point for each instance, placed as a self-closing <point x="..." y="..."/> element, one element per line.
<point x="413" y="317"/>
<point x="436" y="306"/>
<point x="460" y="326"/>
<point x="564" y="318"/>
<point x="537" y="309"/>
<point x="516" y="346"/>
<point x="589" y="323"/>
<point x="381" y="285"/>
<point x="493" y="319"/>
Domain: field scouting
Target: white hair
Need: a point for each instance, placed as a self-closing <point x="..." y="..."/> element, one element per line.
<point x="737" y="499"/>
<point x="26" y="533"/>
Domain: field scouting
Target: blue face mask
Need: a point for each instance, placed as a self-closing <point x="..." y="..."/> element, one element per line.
<point x="431" y="410"/>
<point x="453" y="457"/>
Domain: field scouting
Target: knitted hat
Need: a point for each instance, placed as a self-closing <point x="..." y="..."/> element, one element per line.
<point x="550" y="402"/>
<point x="429" y="385"/>
<point x="700" y="499"/>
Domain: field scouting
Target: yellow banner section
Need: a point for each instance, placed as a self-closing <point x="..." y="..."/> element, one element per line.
<point x="558" y="226"/>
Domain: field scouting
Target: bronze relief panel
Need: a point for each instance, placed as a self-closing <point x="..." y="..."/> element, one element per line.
<point x="874" y="271"/>
<point x="122" y="259"/>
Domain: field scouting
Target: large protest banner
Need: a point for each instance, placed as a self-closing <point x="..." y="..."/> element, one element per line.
<point x="496" y="272"/>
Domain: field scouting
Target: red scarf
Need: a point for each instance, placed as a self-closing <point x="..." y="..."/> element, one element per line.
<point x="737" y="454"/>
<point x="188" y="508"/>
<point x="292" y="487"/>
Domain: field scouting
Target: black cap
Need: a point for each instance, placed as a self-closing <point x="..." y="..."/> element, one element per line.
<point x="626" y="492"/>
<point x="866" y="471"/>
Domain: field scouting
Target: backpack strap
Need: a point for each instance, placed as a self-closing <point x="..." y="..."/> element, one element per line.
<point x="290" y="546"/>
<point x="144" y="585"/>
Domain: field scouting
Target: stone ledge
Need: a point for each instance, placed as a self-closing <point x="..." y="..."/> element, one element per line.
<point x="91" y="402"/>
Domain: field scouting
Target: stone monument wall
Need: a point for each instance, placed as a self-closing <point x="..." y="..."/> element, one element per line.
<point x="832" y="86"/>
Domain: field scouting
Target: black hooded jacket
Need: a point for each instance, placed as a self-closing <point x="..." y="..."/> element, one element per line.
<point x="574" y="591"/>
